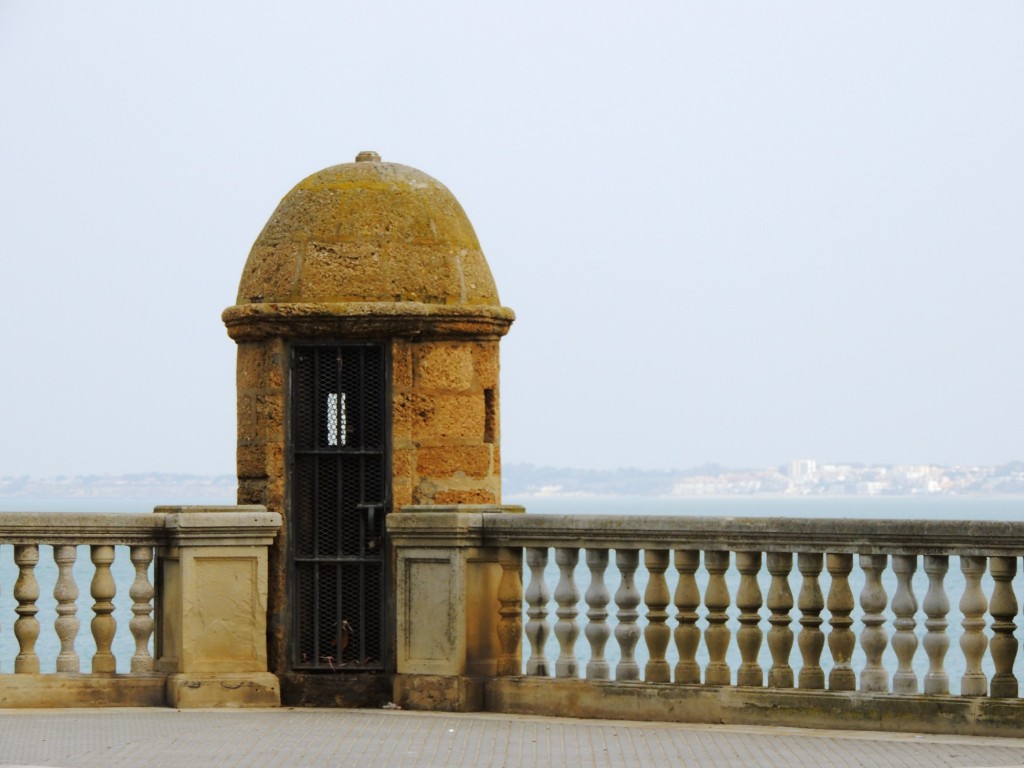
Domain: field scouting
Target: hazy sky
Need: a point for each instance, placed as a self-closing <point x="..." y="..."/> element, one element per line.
<point x="732" y="232"/>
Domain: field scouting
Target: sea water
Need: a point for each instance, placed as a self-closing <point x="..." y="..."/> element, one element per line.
<point x="887" y="508"/>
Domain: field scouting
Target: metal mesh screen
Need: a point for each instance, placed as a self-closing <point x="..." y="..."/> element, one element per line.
<point x="339" y="491"/>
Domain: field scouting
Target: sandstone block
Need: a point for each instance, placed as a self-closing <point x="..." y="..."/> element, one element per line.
<point x="485" y="363"/>
<point x="473" y="496"/>
<point x="401" y="366"/>
<point x="401" y="462"/>
<point x="247" y="432"/>
<point x="449" y="416"/>
<point x="448" y="461"/>
<point x="444" y="366"/>
<point x="254" y="689"/>
<point x="401" y="493"/>
<point x="252" y="491"/>
<point x="461" y="416"/>
<point x="270" y="272"/>
<point x="275" y="493"/>
<point x="436" y="693"/>
<point x="407" y="409"/>
<point x="270" y="416"/>
<point x="251" y="461"/>
<point x="260" y="366"/>
<point x="424" y="492"/>
<point x="375" y="271"/>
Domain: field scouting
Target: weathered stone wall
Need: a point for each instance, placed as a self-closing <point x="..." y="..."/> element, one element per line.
<point x="261" y="376"/>
<point x="445" y="431"/>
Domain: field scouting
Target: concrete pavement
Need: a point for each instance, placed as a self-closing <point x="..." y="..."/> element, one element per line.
<point x="112" y="738"/>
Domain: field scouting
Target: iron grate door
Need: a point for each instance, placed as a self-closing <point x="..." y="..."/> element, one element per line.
<point x="339" y="495"/>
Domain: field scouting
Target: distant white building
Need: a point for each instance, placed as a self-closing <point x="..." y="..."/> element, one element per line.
<point x="870" y="488"/>
<point x="801" y="470"/>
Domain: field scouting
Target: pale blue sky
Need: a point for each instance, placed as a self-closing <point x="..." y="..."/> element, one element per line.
<point x="733" y="232"/>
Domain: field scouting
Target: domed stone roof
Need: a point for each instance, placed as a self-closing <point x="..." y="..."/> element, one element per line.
<point x="354" y="237"/>
<point x="368" y="231"/>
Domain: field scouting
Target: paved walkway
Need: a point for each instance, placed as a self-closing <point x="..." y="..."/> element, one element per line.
<point x="364" y="738"/>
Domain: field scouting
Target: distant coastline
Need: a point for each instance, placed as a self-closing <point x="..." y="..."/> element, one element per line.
<point x="802" y="478"/>
<point x="168" y="487"/>
<point x="799" y="478"/>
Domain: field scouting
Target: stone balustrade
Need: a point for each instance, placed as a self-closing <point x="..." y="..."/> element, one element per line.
<point x="210" y="571"/>
<point x="785" y="621"/>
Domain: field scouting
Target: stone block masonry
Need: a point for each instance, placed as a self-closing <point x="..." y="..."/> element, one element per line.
<point x="445" y="435"/>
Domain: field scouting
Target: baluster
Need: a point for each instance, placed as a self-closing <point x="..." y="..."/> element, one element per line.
<point x="936" y="641"/>
<point x="687" y="600"/>
<point x="537" y="597"/>
<point x="104" y="625"/>
<point x="26" y="592"/>
<point x="748" y="600"/>
<point x="597" y="630"/>
<point x="567" y="597"/>
<point x="840" y="637"/>
<point x="65" y="592"/>
<point x="780" y="603"/>
<point x="657" y="633"/>
<point x="510" y="612"/>
<point x="973" y="641"/>
<point x="810" y="602"/>
<point x="873" y="637"/>
<point x="1003" y="609"/>
<point x="627" y="598"/>
<point x="141" y="623"/>
<point x="716" y="636"/>
<point x="904" y="640"/>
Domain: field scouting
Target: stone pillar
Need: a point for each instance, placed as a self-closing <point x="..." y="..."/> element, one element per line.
<point x="447" y="605"/>
<point x="212" y="577"/>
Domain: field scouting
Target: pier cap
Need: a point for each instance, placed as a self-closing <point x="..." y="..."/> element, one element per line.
<point x="367" y="248"/>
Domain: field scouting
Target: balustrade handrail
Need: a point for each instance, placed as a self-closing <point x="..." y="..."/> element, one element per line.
<point x="157" y="528"/>
<point x="767" y="534"/>
<point x="72" y="528"/>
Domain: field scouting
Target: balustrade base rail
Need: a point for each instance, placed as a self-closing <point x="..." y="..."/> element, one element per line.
<point x="77" y="690"/>
<point x="658" y="702"/>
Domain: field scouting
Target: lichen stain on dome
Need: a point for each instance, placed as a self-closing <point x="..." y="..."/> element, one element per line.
<point x="368" y="231"/>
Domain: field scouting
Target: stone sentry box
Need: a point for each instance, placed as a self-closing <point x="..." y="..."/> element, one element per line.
<point x="367" y="324"/>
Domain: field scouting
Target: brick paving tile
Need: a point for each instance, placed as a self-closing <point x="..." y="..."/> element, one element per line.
<point x="155" y="738"/>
